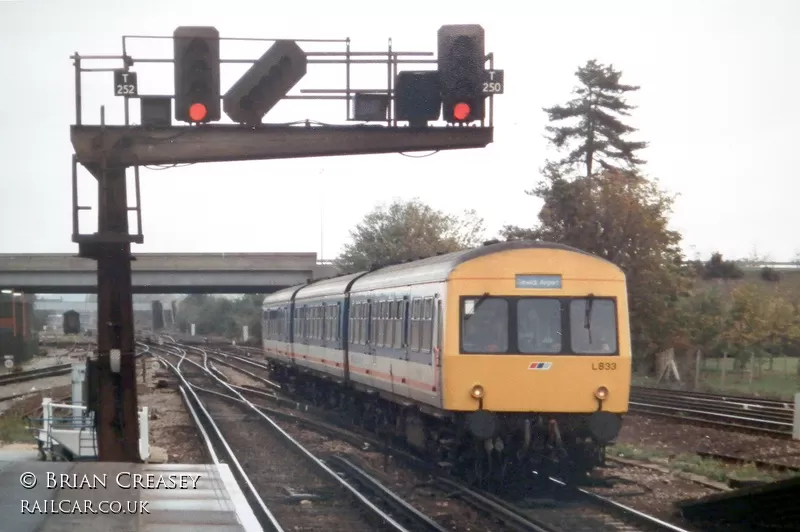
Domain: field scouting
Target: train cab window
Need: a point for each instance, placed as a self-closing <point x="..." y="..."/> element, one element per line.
<point x="593" y="324"/>
<point x="484" y="325"/>
<point x="539" y="325"/>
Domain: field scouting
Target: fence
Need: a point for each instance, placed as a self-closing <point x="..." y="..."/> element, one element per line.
<point x="765" y="376"/>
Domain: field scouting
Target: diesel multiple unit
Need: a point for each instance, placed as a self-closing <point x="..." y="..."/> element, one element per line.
<point x="515" y="352"/>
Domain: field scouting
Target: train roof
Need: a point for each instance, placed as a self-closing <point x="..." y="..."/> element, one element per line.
<point x="328" y="287"/>
<point x="431" y="269"/>
<point x="282" y="296"/>
<point x="438" y="268"/>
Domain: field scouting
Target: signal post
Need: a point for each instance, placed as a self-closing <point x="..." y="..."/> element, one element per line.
<point x="393" y="119"/>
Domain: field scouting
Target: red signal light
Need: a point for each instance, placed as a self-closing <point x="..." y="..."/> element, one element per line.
<point x="197" y="112"/>
<point x="461" y="111"/>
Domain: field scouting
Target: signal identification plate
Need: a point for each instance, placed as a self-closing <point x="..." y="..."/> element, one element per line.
<point x="539" y="282"/>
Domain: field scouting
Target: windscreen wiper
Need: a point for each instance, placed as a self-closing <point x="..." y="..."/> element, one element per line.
<point x="478" y="303"/>
<point x="587" y="324"/>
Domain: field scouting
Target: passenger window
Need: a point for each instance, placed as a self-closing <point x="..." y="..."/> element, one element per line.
<point x="390" y="324"/>
<point x="399" y="324"/>
<point x="415" y="324"/>
<point x="379" y="320"/>
<point x="427" y="324"/>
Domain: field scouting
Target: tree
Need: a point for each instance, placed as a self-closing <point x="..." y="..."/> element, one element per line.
<point x="623" y="218"/>
<point x="407" y="230"/>
<point x="718" y="268"/>
<point x="612" y="211"/>
<point x="705" y="320"/>
<point x="595" y="133"/>
<point x="222" y="316"/>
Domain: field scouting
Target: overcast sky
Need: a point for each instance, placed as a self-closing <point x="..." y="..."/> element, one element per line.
<point x="719" y="81"/>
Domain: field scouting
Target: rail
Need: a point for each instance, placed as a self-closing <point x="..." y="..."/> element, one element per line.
<point x="610" y="512"/>
<point x="386" y="496"/>
<point x="34" y="374"/>
<point x="767" y="416"/>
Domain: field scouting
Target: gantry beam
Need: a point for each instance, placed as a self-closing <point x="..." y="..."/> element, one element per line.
<point x="128" y="146"/>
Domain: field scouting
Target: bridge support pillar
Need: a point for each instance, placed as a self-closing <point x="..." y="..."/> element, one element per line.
<point x="116" y="418"/>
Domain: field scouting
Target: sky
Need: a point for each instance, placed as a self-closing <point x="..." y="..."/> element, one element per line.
<point x="716" y="80"/>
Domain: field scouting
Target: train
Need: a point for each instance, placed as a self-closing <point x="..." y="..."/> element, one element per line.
<point x="508" y="357"/>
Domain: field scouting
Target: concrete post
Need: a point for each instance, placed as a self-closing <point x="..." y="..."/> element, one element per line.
<point x="796" y="424"/>
<point x="78" y="379"/>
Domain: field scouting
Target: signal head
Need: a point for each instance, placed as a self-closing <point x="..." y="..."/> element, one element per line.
<point x="197" y="112"/>
<point x="461" y="111"/>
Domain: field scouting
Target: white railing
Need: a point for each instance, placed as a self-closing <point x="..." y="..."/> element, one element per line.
<point x="48" y="422"/>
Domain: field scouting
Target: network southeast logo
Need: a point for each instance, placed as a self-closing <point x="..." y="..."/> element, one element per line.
<point x="541" y="366"/>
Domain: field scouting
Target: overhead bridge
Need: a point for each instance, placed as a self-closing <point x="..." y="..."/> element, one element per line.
<point x="165" y="273"/>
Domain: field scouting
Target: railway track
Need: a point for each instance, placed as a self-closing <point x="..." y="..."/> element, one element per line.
<point x="573" y="510"/>
<point x="748" y="413"/>
<point x="34" y="374"/>
<point x="297" y="491"/>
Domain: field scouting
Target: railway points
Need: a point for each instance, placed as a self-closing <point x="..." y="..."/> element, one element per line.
<point x="301" y="421"/>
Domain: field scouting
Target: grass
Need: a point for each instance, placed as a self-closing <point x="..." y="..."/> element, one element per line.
<point x="778" y="378"/>
<point x="692" y="463"/>
<point x="14" y="429"/>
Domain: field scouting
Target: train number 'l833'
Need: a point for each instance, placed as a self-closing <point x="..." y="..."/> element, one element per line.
<point x="604" y="366"/>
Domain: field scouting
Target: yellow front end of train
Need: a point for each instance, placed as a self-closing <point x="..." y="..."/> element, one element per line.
<point x="536" y="331"/>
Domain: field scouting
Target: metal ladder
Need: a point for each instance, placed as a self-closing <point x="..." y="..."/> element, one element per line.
<point x="87" y="438"/>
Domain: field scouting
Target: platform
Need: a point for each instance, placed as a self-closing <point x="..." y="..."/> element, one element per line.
<point x="210" y="500"/>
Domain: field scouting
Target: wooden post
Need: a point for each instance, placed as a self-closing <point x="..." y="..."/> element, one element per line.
<point x="698" y="367"/>
<point x="724" y="366"/>
<point x="752" y="367"/>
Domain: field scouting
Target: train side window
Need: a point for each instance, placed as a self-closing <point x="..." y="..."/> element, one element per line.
<point x="391" y="317"/>
<point x="399" y="323"/>
<point x="379" y="323"/>
<point x="336" y="321"/>
<point x="359" y="322"/>
<point x="298" y="318"/>
<point x="330" y="327"/>
<point x="367" y="332"/>
<point x="364" y="327"/>
<point x="356" y="327"/>
<point x="353" y="322"/>
<point x="374" y="315"/>
<point x="387" y="324"/>
<point x="415" y="324"/>
<point x="427" y="324"/>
